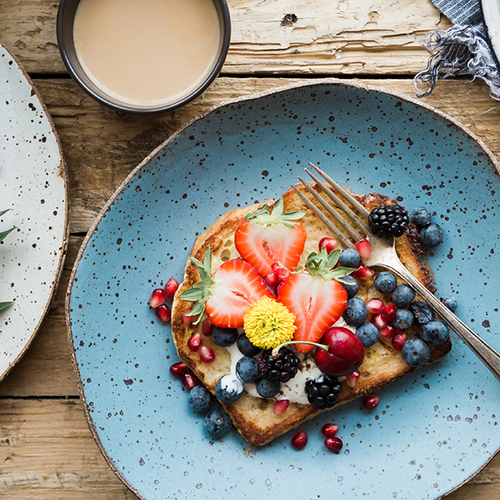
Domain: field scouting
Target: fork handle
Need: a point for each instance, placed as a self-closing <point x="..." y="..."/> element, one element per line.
<point x="483" y="351"/>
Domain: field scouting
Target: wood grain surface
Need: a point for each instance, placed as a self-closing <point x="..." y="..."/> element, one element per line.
<point x="46" y="449"/>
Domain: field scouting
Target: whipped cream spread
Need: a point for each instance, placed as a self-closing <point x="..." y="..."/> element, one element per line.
<point x="294" y="389"/>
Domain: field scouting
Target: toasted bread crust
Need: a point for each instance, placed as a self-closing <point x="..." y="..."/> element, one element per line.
<point x="254" y="417"/>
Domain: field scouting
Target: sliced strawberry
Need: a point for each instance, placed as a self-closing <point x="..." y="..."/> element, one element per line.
<point x="237" y="285"/>
<point x="266" y="238"/>
<point x="317" y="304"/>
<point x="225" y="294"/>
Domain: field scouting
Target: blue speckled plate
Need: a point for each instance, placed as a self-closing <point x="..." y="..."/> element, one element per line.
<point x="432" y="431"/>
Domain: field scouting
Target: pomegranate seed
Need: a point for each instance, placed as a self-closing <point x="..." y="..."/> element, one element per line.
<point x="389" y="311"/>
<point x="379" y="321"/>
<point x="334" y="444"/>
<point x="195" y="341"/>
<point x="363" y="273"/>
<point x="189" y="380"/>
<point x="271" y="279"/>
<point x="207" y="354"/>
<point x="364" y="248"/>
<point x="388" y="332"/>
<point x="163" y="313"/>
<point x="186" y="318"/>
<point x="299" y="441"/>
<point x="171" y="287"/>
<point x="280" y="272"/>
<point x="374" y="306"/>
<point x="371" y="401"/>
<point x="330" y="430"/>
<point x="329" y="243"/>
<point x="399" y="341"/>
<point x="207" y="327"/>
<point x="281" y="406"/>
<point x="178" y="369"/>
<point x="352" y="379"/>
<point x="157" y="298"/>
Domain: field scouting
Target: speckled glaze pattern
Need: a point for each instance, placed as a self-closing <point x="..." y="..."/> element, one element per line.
<point x="33" y="186"/>
<point x="432" y="429"/>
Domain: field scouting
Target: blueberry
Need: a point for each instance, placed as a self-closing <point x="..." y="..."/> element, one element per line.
<point x="199" y="398"/>
<point x="431" y="235"/>
<point x="435" y="332"/>
<point x="403" y="319"/>
<point x="229" y="388"/>
<point x="402" y="296"/>
<point x="217" y="423"/>
<point x="420" y="216"/>
<point x="355" y="312"/>
<point x="349" y="258"/>
<point x="385" y="282"/>
<point x="416" y="352"/>
<point x="247" y="369"/>
<point x="367" y="334"/>
<point x="268" y="389"/>
<point x="246" y="347"/>
<point x="450" y="302"/>
<point x="422" y="311"/>
<point x="224" y="337"/>
<point x="352" y="288"/>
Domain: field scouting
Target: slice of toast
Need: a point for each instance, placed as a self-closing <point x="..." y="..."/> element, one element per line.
<point x="254" y="417"/>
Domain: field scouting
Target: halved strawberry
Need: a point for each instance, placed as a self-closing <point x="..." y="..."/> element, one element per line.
<point x="266" y="238"/>
<point x="227" y="293"/>
<point x="314" y="297"/>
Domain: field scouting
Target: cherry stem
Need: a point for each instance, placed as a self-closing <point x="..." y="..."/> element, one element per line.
<point x="276" y="349"/>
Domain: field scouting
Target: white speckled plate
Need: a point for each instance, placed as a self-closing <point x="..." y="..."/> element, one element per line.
<point x="33" y="186"/>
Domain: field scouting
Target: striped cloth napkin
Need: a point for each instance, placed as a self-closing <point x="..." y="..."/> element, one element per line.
<point x="461" y="50"/>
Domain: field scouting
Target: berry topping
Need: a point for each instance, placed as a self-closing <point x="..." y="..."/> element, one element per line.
<point x="404" y="319"/>
<point x="266" y="238"/>
<point x="163" y="313"/>
<point x="246" y="347"/>
<point x="334" y="444"/>
<point x="207" y="327"/>
<point x="374" y="306"/>
<point x="299" y="441"/>
<point x="227" y="293"/>
<point x="435" y="332"/>
<point x="355" y="312"/>
<point x="157" y="298"/>
<point x="187" y="319"/>
<point x="178" y="369"/>
<point x="329" y="243"/>
<point x="349" y="258"/>
<point x="450" y="302"/>
<point x="323" y="391"/>
<point x="229" y="388"/>
<point x="217" y="423"/>
<point x="267" y="389"/>
<point x="351" y="286"/>
<point x="389" y="311"/>
<point x="363" y="273"/>
<point x="399" y="341"/>
<point x="199" y="398"/>
<point x="420" y="216"/>
<point x="171" y="287"/>
<point x="416" y="352"/>
<point x="330" y="430"/>
<point x="422" y="312"/>
<point x="371" y="401"/>
<point x="207" y="354"/>
<point x="247" y="369"/>
<point x="388" y="220"/>
<point x="195" y="341"/>
<point x="364" y="248"/>
<point x="281" y="406"/>
<point x="352" y="379"/>
<point x="224" y="337"/>
<point x="403" y="296"/>
<point x="431" y="236"/>
<point x="388" y="332"/>
<point x="281" y="368"/>
<point x="379" y="321"/>
<point x="189" y="380"/>
<point x="367" y="334"/>
<point x="385" y="282"/>
<point x="280" y="271"/>
<point x="314" y="297"/>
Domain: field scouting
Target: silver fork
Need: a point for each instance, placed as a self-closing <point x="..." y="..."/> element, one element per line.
<point x="384" y="255"/>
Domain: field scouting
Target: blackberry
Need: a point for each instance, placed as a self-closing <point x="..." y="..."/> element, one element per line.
<point x="280" y="369"/>
<point x="323" y="391"/>
<point x="388" y="220"/>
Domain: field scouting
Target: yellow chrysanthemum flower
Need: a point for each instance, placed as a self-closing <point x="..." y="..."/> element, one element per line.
<point x="268" y="323"/>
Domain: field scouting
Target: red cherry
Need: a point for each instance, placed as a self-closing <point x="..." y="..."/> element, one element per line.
<point x="329" y="243"/>
<point x="299" y="441"/>
<point x="334" y="444"/>
<point x="345" y="352"/>
<point x="330" y="430"/>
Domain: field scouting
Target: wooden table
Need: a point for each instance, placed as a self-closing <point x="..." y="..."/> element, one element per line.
<point x="46" y="449"/>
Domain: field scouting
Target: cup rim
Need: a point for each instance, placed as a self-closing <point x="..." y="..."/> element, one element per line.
<point x="225" y="26"/>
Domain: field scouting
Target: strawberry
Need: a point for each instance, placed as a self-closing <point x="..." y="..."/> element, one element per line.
<point x="225" y="294"/>
<point x="268" y="238"/>
<point x="314" y="297"/>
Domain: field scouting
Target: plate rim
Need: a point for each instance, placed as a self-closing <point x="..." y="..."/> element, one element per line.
<point x="223" y="104"/>
<point x="63" y="173"/>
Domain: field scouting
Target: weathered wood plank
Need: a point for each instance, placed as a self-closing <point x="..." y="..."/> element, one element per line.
<point x="47" y="452"/>
<point x="275" y="37"/>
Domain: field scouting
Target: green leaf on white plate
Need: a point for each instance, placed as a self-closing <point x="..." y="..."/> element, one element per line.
<point x="4" y="305"/>
<point x="4" y="234"/>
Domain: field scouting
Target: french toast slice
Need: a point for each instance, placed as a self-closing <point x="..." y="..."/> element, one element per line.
<point x="254" y="417"/>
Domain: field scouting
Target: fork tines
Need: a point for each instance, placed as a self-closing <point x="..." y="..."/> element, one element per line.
<point x="340" y="207"/>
